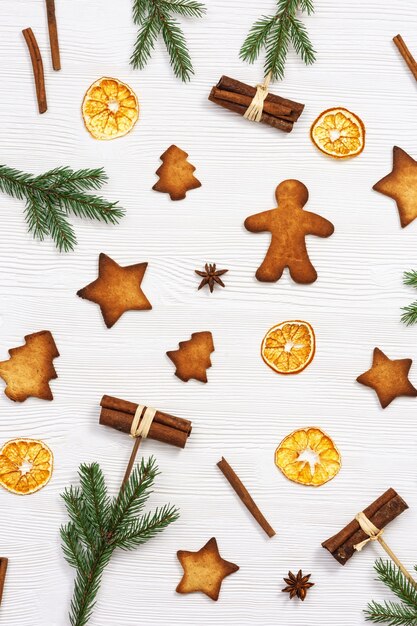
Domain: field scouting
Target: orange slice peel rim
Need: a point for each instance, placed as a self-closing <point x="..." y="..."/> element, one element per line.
<point x="295" y="359"/>
<point x="32" y="453"/>
<point x="110" y="109"/>
<point x="347" y="142"/>
<point x="308" y="440"/>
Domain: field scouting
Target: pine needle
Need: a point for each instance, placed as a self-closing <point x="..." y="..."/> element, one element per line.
<point x="409" y="317"/>
<point x="154" y="17"/>
<point x="99" y="525"/>
<point x="394" y="613"/>
<point x="53" y="196"/>
<point x="274" y="34"/>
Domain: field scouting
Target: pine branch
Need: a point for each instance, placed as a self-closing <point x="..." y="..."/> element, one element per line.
<point x="274" y="33"/>
<point x="177" y="48"/>
<point x="155" y="17"/>
<point x="141" y="530"/>
<point x="409" y="317"/>
<point x="53" y="196"/>
<point x="98" y="527"/>
<point x="391" y="613"/>
<point x="394" y="613"/>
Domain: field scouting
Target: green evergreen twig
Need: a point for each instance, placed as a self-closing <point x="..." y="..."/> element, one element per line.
<point x="53" y="196"/>
<point x="99" y="525"/>
<point x="154" y="17"/>
<point x="409" y="317"/>
<point x="394" y="613"/>
<point x="275" y="33"/>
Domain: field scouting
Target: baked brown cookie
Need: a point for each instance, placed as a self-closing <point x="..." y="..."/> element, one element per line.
<point x="204" y="570"/>
<point x="117" y="289"/>
<point x="28" y="371"/>
<point x="401" y="185"/>
<point x="388" y="378"/>
<point x="289" y="225"/>
<point x="192" y="359"/>
<point x="176" y="174"/>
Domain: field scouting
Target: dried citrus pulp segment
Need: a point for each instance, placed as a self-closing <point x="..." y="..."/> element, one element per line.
<point x="25" y="465"/>
<point x="110" y="109"/>
<point x="339" y="133"/>
<point x="308" y="456"/>
<point x="289" y="347"/>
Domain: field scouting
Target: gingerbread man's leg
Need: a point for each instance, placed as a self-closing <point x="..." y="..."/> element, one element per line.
<point x="302" y="271"/>
<point x="271" y="270"/>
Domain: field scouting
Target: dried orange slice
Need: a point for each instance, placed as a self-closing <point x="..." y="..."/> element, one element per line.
<point x="308" y="456"/>
<point x="289" y="347"/>
<point x="339" y="133"/>
<point x="25" y="465"/>
<point x="110" y="109"/>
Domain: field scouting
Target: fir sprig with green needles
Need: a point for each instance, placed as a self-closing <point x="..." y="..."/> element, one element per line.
<point x="409" y="317"/>
<point x="99" y="525"/>
<point x="154" y="18"/>
<point x="274" y="33"/>
<point x="52" y="197"/>
<point x="403" y="613"/>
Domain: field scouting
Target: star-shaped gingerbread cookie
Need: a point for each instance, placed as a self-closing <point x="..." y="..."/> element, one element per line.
<point x="204" y="570"/>
<point x="389" y="378"/>
<point x="401" y="185"/>
<point x="117" y="289"/>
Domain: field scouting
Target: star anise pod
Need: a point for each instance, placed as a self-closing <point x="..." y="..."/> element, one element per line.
<point x="297" y="585"/>
<point x="211" y="276"/>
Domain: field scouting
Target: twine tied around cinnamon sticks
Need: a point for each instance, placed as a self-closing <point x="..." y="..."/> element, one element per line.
<point x="256" y="107"/>
<point x="142" y="422"/>
<point x="375" y="534"/>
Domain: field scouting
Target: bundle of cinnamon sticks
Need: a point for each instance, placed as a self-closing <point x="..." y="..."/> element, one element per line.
<point x="119" y="414"/>
<point x="236" y="96"/>
<point x="381" y="512"/>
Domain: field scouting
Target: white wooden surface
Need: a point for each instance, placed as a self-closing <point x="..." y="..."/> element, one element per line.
<point x="245" y="409"/>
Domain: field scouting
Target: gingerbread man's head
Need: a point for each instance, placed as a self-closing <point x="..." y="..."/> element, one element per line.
<point x="292" y="192"/>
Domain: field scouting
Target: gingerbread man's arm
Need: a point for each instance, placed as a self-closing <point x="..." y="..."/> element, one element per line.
<point x="318" y="225"/>
<point x="258" y="223"/>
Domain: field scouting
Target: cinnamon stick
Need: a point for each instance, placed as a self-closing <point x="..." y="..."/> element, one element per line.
<point x="381" y="512"/>
<point x="53" y="34"/>
<point x="230" y="84"/>
<point x="3" y="568"/>
<point x="245" y="496"/>
<point x="277" y="110"/>
<point x="37" y="66"/>
<point x="119" y="414"/>
<point x="275" y="122"/>
<point x="406" y="55"/>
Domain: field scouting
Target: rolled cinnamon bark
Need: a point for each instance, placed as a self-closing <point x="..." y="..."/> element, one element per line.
<point x="275" y="122"/>
<point x="3" y="569"/>
<point x="119" y="414"/>
<point x="381" y="512"/>
<point x="277" y="110"/>
<point x="231" y="84"/>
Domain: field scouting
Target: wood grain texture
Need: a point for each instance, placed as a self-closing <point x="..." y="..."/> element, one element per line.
<point x="353" y="307"/>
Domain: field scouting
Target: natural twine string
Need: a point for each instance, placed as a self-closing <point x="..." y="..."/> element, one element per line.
<point x="375" y="534"/>
<point x="256" y="107"/>
<point x="141" y="425"/>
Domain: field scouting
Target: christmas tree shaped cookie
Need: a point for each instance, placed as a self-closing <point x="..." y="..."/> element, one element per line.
<point x="28" y="371"/>
<point x="192" y="359"/>
<point x="176" y="174"/>
<point x="289" y="225"/>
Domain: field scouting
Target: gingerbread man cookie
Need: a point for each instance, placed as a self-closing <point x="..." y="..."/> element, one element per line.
<point x="289" y="224"/>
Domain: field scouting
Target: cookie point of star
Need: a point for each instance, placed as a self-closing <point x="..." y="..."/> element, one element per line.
<point x="388" y="378"/>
